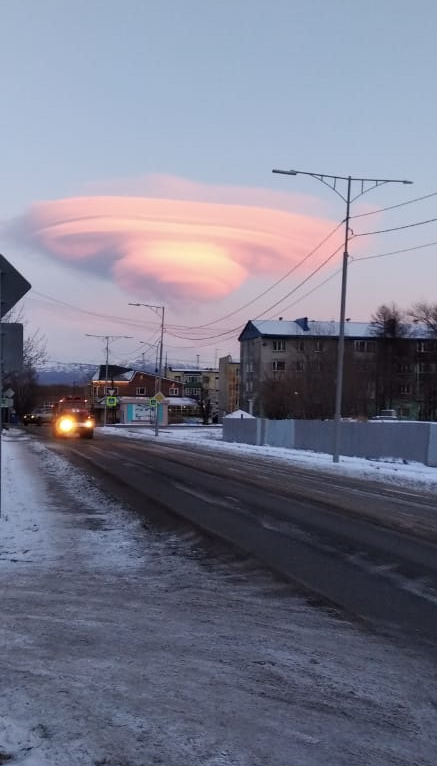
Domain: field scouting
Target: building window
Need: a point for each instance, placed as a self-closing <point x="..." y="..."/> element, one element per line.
<point x="279" y="345"/>
<point x="426" y="367"/>
<point x="405" y="367"/>
<point x="141" y="391"/>
<point x="364" y="346"/>
<point x="405" y="388"/>
<point x="318" y="346"/>
<point x="278" y="366"/>
<point x="173" y="392"/>
<point x="177" y="378"/>
<point x="192" y="378"/>
<point x="421" y="346"/>
<point x="301" y="345"/>
<point x="299" y="366"/>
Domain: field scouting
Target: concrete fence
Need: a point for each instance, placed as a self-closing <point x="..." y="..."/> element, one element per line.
<point x="408" y="440"/>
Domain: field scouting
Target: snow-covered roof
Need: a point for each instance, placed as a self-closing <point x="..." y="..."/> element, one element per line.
<point x="192" y="371"/>
<point x="313" y="328"/>
<point x="239" y="414"/>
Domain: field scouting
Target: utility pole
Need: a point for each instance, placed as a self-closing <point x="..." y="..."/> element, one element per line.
<point x="107" y="339"/>
<point x="366" y="184"/>
<point x="158" y="377"/>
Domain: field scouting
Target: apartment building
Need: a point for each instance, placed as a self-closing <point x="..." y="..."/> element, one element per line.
<point x="229" y="385"/>
<point x="201" y="384"/>
<point x="288" y="369"/>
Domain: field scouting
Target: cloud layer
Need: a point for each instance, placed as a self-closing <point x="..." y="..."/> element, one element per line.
<point x="186" y="243"/>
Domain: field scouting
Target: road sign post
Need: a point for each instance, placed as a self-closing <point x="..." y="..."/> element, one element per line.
<point x="12" y="287"/>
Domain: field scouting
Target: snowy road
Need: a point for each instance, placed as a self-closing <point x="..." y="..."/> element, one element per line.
<point x="337" y="537"/>
<point x="124" y="645"/>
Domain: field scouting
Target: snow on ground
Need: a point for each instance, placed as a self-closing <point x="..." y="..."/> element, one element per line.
<point x="388" y="470"/>
<point x="128" y="645"/>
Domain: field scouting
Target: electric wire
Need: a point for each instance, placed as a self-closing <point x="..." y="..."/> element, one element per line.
<point x="395" y="228"/>
<point x="393" y="207"/>
<point x="355" y="259"/>
<point x="275" y="284"/>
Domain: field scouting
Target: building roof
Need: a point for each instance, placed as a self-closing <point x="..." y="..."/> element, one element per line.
<point x="239" y="415"/>
<point x="280" y="328"/>
<point x="193" y="370"/>
<point x="128" y="376"/>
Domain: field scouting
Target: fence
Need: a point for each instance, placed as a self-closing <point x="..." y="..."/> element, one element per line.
<point x="408" y="440"/>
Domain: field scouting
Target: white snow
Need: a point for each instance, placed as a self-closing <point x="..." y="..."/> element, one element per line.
<point x="389" y="470"/>
<point x="126" y="645"/>
<point x="239" y="414"/>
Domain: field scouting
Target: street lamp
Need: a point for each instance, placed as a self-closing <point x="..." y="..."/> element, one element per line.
<point x="161" y="310"/>
<point x="367" y="184"/>
<point x="107" y="338"/>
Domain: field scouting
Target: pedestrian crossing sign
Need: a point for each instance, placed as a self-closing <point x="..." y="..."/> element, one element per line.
<point x="111" y="401"/>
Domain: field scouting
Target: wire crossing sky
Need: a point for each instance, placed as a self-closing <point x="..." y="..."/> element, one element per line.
<point x="138" y="143"/>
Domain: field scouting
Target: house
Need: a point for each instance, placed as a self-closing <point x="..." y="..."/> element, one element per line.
<point x="201" y="385"/>
<point x="229" y="385"/>
<point x="125" y="383"/>
<point x="288" y="369"/>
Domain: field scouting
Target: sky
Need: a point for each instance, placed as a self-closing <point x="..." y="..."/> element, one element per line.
<point x="138" y="143"/>
<point x="91" y="678"/>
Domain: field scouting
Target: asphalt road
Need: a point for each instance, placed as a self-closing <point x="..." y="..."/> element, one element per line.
<point x="368" y="549"/>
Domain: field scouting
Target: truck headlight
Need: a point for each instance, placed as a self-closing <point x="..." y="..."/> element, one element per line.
<point x="65" y="424"/>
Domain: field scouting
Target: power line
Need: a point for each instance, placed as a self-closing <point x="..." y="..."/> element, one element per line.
<point x="393" y="207"/>
<point x="393" y="252"/>
<point x="304" y="281"/>
<point x="275" y="284"/>
<point x="270" y="308"/>
<point x="313" y="290"/>
<point x="396" y="228"/>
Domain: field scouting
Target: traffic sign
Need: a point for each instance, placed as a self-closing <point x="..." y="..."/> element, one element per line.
<point x="111" y="401"/>
<point x="13" y="285"/>
<point x="110" y="391"/>
<point x="159" y="397"/>
<point x="12" y="347"/>
<point x="153" y="401"/>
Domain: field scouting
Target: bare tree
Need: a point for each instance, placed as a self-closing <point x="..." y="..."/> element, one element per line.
<point x="427" y="314"/>
<point x="389" y="324"/>
<point x="25" y="383"/>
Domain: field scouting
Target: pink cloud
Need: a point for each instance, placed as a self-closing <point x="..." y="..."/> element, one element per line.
<point x="183" y="240"/>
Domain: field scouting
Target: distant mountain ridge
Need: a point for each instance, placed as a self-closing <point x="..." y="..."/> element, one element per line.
<point x="80" y="373"/>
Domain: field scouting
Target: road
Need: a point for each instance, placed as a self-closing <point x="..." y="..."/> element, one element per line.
<point x="369" y="549"/>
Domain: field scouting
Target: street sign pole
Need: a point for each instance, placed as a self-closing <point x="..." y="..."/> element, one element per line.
<point x="1" y="383"/>
<point x="12" y="287"/>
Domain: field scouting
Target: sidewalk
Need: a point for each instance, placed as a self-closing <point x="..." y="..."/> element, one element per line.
<point x="123" y="645"/>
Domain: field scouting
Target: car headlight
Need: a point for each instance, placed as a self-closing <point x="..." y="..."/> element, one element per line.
<point x="65" y="424"/>
<point x="89" y="423"/>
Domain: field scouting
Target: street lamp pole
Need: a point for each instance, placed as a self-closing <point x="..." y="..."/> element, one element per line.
<point x="367" y="184"/>
<point x="158" y="378"/>
<point x="107" y="338"/>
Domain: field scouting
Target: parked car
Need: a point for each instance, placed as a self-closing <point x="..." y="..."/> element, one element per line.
<point x="386" y="415"/>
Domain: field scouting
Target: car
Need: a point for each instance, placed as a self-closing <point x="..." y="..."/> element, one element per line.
<point x="386" y="415"/>
<point x="38" y="417"/>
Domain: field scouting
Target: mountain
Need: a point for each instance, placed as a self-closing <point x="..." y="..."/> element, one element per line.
<point x="65" y="373"/>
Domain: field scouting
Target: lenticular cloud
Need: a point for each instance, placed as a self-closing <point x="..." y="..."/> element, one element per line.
<point x="180" y="248"/>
